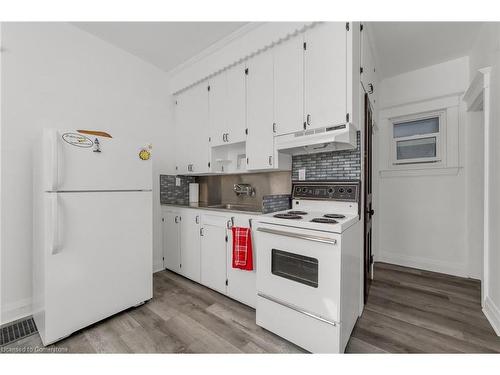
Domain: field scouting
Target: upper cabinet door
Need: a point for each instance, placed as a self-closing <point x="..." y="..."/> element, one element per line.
<point x="325" y="63"/>
<point x="218" y="109"/>
<point x="198" y="146"/>
<point x="289" y="85"/>
<point x="235" y="106"/>
<point x="260" y="112"/>
<point x="182" y="109"/>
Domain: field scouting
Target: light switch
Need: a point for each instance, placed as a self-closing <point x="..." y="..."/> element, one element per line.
<point x="302" y="174"/>
<point x="177" y="181"/>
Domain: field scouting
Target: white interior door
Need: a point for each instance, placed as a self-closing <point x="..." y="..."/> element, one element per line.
<point x="190" y="244"/>
<point x="98" y="257"/>
<point x="171" y="241"/>
<point x="325" y="75"/>
<point x="74" y="162"/>
<point x="260" y="112"/>
<point x="235" y="107"/>
<point x="289" y="85"/>
<point x="213" y="253"/>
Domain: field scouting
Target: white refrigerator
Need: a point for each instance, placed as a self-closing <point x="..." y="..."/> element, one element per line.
<point x="92" y="237"/>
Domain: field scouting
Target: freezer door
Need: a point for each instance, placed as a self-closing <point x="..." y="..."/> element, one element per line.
<point x="75" y="161"/>
<point x="98" y="257"/>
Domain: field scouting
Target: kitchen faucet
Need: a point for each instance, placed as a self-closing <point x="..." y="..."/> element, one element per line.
<point x="244" y="189"/>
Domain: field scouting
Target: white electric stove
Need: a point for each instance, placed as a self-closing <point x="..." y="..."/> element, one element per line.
<point x="309" y="266"/>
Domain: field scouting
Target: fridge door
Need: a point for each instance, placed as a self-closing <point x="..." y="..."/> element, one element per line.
<point x="75" y="161"/>
<point x="98" y="257"/>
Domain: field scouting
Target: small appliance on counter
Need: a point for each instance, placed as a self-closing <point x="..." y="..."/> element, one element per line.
<point x="309" y="263"/>
<point x="194" y="192"/>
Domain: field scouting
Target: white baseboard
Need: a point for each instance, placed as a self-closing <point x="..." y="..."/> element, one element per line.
<point x="15" y="310"/>
<point x="427" y="264"/>
<point x="492" y="313"/>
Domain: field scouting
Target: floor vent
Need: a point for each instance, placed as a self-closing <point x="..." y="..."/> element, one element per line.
<point x="17" y="330"/>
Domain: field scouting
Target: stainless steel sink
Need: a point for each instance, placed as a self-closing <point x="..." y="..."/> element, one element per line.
<point x="236" y="207"/>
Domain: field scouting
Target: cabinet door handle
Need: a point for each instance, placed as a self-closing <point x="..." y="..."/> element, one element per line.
<point x="370" y="88"/>
<point x="197" y="219"/>
<point x="227" y="137"/>
<point x="176" y="219"/>
<point x="201" y="232"/>
<point x="270" y="160"/>
<point x="308" y="119"/>
<point x="274" y="127"/>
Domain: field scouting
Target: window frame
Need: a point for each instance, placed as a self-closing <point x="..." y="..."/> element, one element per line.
<point x="440" y="138"/>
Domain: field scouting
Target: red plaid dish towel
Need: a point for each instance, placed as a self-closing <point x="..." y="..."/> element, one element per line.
<point x="242" y="248"/>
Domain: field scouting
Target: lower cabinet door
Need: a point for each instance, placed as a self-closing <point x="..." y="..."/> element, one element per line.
<point x="190" y="244"/>
<point x="213" y="253"/>
<point x="171" y="243"/>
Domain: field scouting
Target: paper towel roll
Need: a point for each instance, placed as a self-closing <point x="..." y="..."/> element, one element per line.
<point x="194" y="192"/>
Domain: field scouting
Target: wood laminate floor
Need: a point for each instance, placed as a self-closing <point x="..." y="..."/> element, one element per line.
<point x="408" y="311"/>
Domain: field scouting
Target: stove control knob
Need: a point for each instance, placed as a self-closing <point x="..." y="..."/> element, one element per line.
<point x="349" y="190"/>
<point x="341" y="190"/>
<point x="330" y="191"/>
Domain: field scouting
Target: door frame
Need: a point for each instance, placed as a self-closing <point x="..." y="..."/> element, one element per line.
<point x="367" y="197"/>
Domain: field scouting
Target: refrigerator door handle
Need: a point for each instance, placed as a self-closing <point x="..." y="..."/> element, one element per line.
<point x="55" y="246"/>
<point x="55" y="159"/>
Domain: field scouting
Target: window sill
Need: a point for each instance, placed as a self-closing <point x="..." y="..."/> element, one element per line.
<point x="416" y="172"/>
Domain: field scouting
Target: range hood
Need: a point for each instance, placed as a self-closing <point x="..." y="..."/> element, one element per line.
<point x="332" y="138"/>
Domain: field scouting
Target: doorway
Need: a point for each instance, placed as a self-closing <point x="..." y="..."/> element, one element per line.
<point x="368" y="208"/>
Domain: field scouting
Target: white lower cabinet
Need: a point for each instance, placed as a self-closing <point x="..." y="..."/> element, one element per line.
<point x="213" y="252"/>
<point x="198" y="245"/>
<point x="181" y="242"/>
<point x="190" y="244"/>
<point x="241" y="284"/>
<point x="171" y="241"/>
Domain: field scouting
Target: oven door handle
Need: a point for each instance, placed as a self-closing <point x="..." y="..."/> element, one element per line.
<point x="308" y="237"/>
<point x="297" y="309"/>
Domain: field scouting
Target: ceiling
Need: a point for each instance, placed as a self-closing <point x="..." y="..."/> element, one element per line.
<point x="399" y="46"/>
<point x="404" y="46"/>
<point x="163" y="44"/>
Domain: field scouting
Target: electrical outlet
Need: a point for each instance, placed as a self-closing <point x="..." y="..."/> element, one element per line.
<point x="177" y="181"/>
<point x="302" y="174"/>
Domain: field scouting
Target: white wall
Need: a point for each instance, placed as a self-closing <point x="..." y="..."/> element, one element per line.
<point x="56" y="75"/>
<point x="424" y="219"/>
<point x="486" y="52"/>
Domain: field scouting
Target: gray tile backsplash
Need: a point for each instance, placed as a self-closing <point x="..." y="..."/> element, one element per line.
<point x="273" y="203"/>
<point x="171" y="194"/>
<point x="333" y="165"/>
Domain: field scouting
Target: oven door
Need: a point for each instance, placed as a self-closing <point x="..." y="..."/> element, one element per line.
<point x="300" y="269"/>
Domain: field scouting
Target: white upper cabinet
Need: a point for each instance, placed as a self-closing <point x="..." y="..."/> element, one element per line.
<point x="260" y="112"/>
<point x="182" y="136"/>
<point x="217" y="108"/>
<point x="289" y="85"/>
<point x="227" y="106"/>
<point x="191" y="114"/>
<point x="236" y="104"/>
<point x="199" y="146"/>
<point x="325" y="67"/>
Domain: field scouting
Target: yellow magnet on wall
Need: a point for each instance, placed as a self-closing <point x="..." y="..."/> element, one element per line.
<point x="144" y="154"/>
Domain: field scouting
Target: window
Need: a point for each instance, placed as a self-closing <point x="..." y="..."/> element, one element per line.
<point x="417" y="139"/>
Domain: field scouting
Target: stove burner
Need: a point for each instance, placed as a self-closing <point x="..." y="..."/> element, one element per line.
<point x="334" y="216"/>
<point x="288" y="216"/>
<point x="323" y="220"/>
<point x="297" y="212"/>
